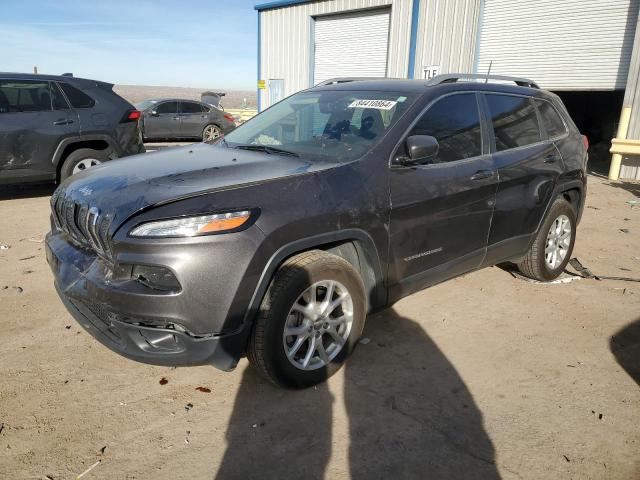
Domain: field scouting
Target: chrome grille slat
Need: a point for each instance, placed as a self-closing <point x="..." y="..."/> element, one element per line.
<point x="83" y="224"/>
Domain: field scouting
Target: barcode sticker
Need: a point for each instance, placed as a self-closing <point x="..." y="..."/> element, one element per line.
<point x="377" y="104"/>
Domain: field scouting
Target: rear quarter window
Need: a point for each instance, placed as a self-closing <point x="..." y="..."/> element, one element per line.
<point x="551" y="118"/>
<point x="514" y="120"/>
<point x="77" y="98"/>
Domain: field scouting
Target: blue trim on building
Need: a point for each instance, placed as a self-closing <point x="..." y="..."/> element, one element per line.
<point x="259" y="55"/>
<point x="279" y="3"/>
<point x="415" y="15"/>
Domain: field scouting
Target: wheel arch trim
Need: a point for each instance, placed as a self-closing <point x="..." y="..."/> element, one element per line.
<point x="57" y="156"/>
<point x="365" y="248"/>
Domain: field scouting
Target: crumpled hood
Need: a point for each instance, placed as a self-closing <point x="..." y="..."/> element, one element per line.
<point x="122" y="187"/>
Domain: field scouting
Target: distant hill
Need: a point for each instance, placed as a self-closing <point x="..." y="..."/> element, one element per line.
<point x="137" y="93"/>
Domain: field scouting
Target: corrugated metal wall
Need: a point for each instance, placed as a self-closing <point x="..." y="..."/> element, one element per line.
<point x="563" y="45"/>
<point x="446" y="35"/>
<point x="285" y="40"/>
<point x="630" y="167"/>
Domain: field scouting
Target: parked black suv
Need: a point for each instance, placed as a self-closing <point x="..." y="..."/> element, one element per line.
<point x="54" y="126"/>
<point x="277" y="240"/>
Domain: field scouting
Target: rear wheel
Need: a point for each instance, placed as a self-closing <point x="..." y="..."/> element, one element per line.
<point x="552" y="248"/>
<point x="310" y="320"/>
<point x="210" y="133"/>
<point x="81" y="160"/>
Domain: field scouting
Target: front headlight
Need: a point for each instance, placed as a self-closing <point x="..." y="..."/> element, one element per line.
<point x="192" y="226"/>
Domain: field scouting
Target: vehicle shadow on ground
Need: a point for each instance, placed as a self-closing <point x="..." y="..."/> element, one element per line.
<point x="14" y="192"/>
<point x="625" y="346"/>
<point x="410" y="415"/>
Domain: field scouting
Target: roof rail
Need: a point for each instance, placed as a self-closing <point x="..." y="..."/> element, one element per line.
<point x="333" y="81"/>
<point x="456" y="77"/>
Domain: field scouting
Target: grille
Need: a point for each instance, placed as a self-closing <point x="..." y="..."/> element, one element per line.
<point x="85" y="225"/>
<point x="103" y="315"/>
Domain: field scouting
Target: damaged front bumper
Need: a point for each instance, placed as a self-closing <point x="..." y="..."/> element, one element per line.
<point x="82" y="282"/>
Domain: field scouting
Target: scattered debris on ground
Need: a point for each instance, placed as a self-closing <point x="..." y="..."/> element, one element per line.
<point x="88" y="470"/>
<point x="364" y="340"/>
<point x="15" y="289"/>
<point x="203" y="389"/>
<point x="163" y="381"/>
<point x="5" y="247"/>
<point x="188" y="406"/>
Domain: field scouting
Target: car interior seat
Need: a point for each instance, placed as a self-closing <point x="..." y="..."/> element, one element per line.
<point x="371" y="124"/>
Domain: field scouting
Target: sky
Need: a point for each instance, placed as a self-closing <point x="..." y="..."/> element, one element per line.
<point x="182" y="43"/>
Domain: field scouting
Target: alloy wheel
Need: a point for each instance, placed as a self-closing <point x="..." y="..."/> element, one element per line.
<point x="84" y="164"/>
<point x="318" y="325"/>
<point x="211" y="132"/>
<point x="558" y="242"/>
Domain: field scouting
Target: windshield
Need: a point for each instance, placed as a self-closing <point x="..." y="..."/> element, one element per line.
<point x="141" y="106"/>
<point x="331" y="125"/>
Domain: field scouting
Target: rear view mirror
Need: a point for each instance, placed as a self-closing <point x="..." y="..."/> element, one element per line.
<point x="420" y="149"/>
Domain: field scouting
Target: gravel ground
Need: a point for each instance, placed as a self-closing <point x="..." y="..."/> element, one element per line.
<point x="485" y="376"/>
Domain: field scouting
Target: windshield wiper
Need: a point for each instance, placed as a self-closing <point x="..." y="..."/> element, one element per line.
<point x="267" y="149"/>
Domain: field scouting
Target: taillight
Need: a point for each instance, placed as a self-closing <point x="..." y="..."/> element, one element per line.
<point x="131" y="116"/>
<point x="585" y="142"/>
<point x="229" y="117"/>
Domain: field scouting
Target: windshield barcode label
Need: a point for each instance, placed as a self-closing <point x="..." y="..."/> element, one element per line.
<point x="377" y="104"/>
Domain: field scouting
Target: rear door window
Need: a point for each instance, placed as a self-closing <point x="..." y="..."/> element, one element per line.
<point x="455" y="122"/>
<point x="167" y="107"/>
<point x="24" y="96"/>
<point x="514" y="120"/>
<point x="191" y="107"/>
<point x="551" y="119"/>
<point x="77" y="98"/>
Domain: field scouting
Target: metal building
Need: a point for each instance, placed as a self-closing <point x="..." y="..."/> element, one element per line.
<point x="587" y="51"/>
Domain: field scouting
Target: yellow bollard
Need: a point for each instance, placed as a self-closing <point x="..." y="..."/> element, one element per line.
<point x="616" y="158"/>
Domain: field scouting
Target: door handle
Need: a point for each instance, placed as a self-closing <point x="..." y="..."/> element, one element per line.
<point x="62" y="121"/>
<point x="552" y="158"/>
<point x="482" y="174"/>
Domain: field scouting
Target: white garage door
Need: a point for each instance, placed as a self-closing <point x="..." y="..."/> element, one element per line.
<point x="564" y="45"/>
<point x="351" y="45"/>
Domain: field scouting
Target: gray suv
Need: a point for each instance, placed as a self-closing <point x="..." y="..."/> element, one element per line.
<point x="276" y="241"/>
<point x="54" y="126"/>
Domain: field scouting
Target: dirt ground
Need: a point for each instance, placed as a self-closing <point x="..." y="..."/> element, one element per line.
<point x="485" y="376"/>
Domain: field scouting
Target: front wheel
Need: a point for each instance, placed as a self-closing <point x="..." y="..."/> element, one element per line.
<point x="552" y="248"/>
<point x="310" y="320"/>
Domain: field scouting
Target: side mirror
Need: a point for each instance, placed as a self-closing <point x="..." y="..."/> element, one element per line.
<point x="420" y="148"/>
<point x="154" y="113"/>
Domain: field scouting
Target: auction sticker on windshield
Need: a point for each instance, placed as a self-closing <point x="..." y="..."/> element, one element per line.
<point x="377" y="104"/>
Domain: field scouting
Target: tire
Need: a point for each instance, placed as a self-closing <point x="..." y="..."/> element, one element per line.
<point x="267" y="344"/>
<point x="77" y="157"/>
<point x="536" y="264"/>
<point x="211" y="132"/>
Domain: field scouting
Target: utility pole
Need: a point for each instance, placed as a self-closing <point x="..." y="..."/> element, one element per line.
<point x="35" y="69"/>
